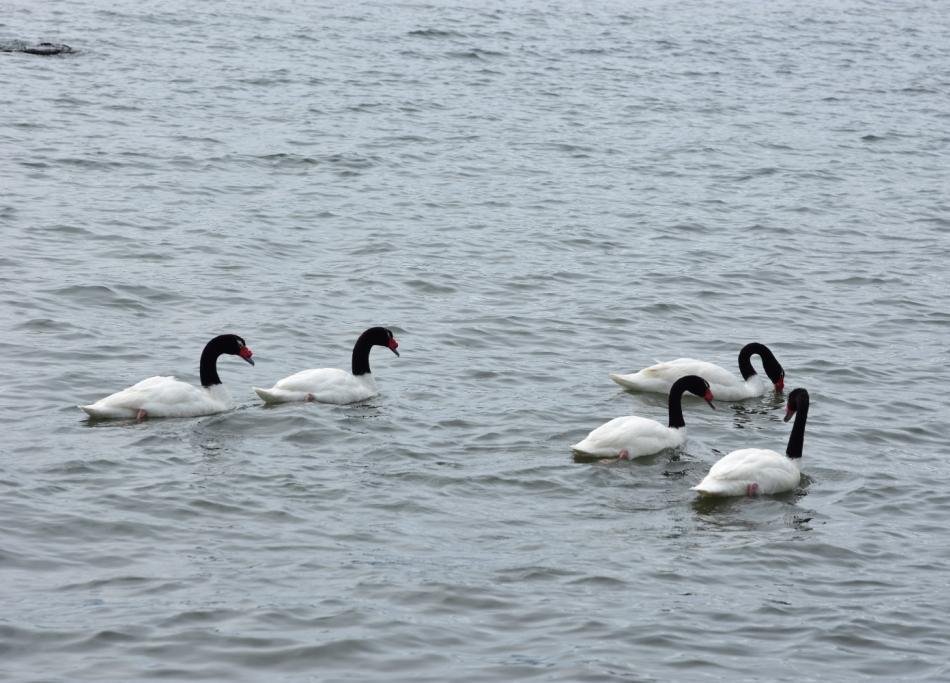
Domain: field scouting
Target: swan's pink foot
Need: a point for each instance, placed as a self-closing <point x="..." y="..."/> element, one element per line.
<point x="752" y="489"/>
<point x="141" y="415"/>
<point x="622" y="455"/>
<point x="310" y="398"/>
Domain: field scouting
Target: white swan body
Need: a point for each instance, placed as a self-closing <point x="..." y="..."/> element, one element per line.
<point x="751" y="470"/>
<point x="325" y="385"/>
<point x="725" y="386"/>
<point x="330" y="385"/>
<point x="638" y="436"/>
<point x="162" y="397"/>
<point x="633" y="437"/>
<point x="170" y="397"/>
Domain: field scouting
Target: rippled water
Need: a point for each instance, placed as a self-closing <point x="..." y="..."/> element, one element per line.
<point x="531" y="195"/>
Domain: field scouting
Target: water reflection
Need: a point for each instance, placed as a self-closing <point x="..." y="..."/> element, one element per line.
<point x="758" y="413"/>
<point x="729" y="510"/>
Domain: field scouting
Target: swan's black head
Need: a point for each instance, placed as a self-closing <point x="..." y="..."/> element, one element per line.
<point x="380" y="336"/>
<point x="774" y="370"/>
<point x="234" y="345"/>
<point x="797" y="400"/>
<point x="697" y="385"/>
<point x="772" y="367"/>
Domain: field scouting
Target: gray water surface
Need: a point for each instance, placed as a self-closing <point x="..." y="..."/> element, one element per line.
<point x="531" y="195"/>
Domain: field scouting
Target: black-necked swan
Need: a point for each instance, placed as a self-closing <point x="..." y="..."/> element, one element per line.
<point x="726" y="386"/>
<point x="751" y="471"/>
<point x="170" y="397"/>
<point x="330" y="385"/>
<point x="633" y="437"/>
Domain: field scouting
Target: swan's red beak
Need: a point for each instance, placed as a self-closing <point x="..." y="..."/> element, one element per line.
<point x="780" y="384"/>
<point x="789" y="411"/>
<point x="246" y="354"/>
<point x="393" y="345"/>
<point x="709" y="397"/>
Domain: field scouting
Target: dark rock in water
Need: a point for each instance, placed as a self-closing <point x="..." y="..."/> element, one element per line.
<point x="34" y="48"/>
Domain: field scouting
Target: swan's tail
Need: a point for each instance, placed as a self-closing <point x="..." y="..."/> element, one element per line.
<point x="99" y="413"/>
<point x="587" y="448"/>
<point x="268" y="395"/>
<point x="715" y="487"/>
<point x="275" y="395"/>
<point x="626" y="381"/>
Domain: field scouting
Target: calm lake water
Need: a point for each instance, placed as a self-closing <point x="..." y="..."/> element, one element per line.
<point x="531" y="195"/>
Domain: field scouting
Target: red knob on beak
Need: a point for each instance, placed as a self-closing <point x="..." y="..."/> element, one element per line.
<point x="246" y="354"/>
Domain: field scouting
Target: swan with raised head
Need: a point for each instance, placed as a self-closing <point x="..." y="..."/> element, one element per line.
<point x="330" y="385"/>
<point x="752" y="471"/>
<point x="632" y="437"/>
<point x="170" y="397"/>
<point x="725" y="385"/>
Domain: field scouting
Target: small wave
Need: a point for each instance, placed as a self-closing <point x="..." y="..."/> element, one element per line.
<point x="265" y="81"/>
<point x="111" y="582"/>
<point x="474" y="54"/>
<point x="48" y="325"/>
<point x="350" y="162"/>
<point x="435" y="33"/>
<point x="99" y="296"/>
<point x="90" y="164"/>
<point x="426" y="287"/>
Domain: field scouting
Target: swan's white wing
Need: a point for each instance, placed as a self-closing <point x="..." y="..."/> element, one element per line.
<point x="659" y="379"/>
<point x="680" y="367"/>
<point x="159" y="397"/>
<point x="638" y="435"/>
<point x="326" y="385"/>
<point x="315" y="380"/>
<point x="772" y="473"/>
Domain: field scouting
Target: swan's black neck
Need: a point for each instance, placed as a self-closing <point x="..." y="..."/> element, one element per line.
<point x="209" y="362"/>
<point x="745" y="358"/>
<point x="361" y="351"/>
<point x="676" y="404"/>
<point x="797" y="438"/>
